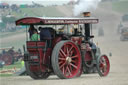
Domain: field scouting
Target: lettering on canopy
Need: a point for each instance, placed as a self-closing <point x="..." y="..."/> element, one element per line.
<point x="82" y="21"/>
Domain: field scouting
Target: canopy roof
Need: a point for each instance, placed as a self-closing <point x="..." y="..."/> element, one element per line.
<point x="55" y="20"/>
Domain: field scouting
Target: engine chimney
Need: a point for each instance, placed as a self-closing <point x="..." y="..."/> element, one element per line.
<point x="87" y="26"/>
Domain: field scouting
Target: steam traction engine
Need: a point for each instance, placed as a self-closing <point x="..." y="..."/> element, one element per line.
<point x="9" y="56"/>
<point x="64" y="54"/>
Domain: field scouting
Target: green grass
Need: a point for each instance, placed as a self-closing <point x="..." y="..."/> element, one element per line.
<point x="120" y="6"/>
<point x="16" y="65"/>
<point x="16" y="43"/>
<point x="39" y="12"/>
<point x="6" y="34"/>
<point x="5" y="75"/>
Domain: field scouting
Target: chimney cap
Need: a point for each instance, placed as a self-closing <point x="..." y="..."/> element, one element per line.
<point x="86" y="14"/>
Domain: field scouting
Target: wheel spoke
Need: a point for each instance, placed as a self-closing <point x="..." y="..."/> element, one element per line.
<point x="69" y="71"/>
<point x="62" y="59"/>
<point x="70" y="49"/>
<point x="76" y="56"/>
<point x="60" y="62"/>
<point x="74" y="66"/>
<point x="73" y="61"/>
<point x="102" y="61"/>
<point x="66" y="69"/>
<point x="61" y="55"/>
<point x="71" y="53"/>
<point x="101" y="66"/>
<point x="104" y="69"/>
<point x="63" y="52"/>
<point x="62" y="65"/>
<point x="70" y="67"/>
<point x="67" y="50"/>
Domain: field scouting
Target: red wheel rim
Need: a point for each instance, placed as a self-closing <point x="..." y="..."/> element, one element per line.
<point x="69" y="60"/>
<point x="104" y="65"/>
<point x="7" y="59"/>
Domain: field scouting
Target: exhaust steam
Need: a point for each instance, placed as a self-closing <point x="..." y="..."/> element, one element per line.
<point x="85" y="5"/>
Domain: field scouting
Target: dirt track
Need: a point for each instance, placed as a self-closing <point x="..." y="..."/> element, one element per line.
<point x="109" y="43"/>
<point x="118" y="74"/>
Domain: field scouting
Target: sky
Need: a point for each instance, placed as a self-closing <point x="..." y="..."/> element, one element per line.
<point x="37" y="1"/>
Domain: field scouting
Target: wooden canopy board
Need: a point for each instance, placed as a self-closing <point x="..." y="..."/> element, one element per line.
<point x="56" y="20"/>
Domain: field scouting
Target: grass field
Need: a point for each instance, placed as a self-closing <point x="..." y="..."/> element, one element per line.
<point x="5" y="75"/>
<point x="13" y="39"/>
<point x="120" y="6"/>
<point x="6" y="34"/>
<point x="40" y="11"/>
<point x="16" y="65"/>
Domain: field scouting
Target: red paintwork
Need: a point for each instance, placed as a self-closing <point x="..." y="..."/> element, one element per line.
<point x="69" y="70"/>
<point x="104" y="68"/>
<point x="88" y="56"/>
<point x="77" y="40"/>
<point x="30" y="20"/>
<point x="55" y="20"/>
<point x="34" y="68"/>
<point x="7" y="58"/>
<point x="56" y="40"/>
<point x="43" y="57"/>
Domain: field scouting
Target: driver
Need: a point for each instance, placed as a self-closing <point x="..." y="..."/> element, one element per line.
<point x="45" y="34"/>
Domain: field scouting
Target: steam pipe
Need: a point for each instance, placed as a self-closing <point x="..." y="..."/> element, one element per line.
<point x="87" y="27"/>
<point x="87" y="32"/>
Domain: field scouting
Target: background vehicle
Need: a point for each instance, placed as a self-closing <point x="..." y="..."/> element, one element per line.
<point x="124" y="34"/>
<point x="125" y="17"/>
<point x="123" y="28"/>
<point x="68" y="53"/>
<point x="123" y="23"/>
<point x="9" y="56"/>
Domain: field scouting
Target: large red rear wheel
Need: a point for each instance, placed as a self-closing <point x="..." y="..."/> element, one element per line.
<point x="103" y="65"/>
<point x="66" y="60"/>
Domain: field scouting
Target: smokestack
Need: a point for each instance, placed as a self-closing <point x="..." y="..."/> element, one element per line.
<point x="87" y="26"/>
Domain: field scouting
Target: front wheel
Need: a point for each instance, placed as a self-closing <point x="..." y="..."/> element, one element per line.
<point x="103" y="65"/>
<point x="66" y="60"/>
